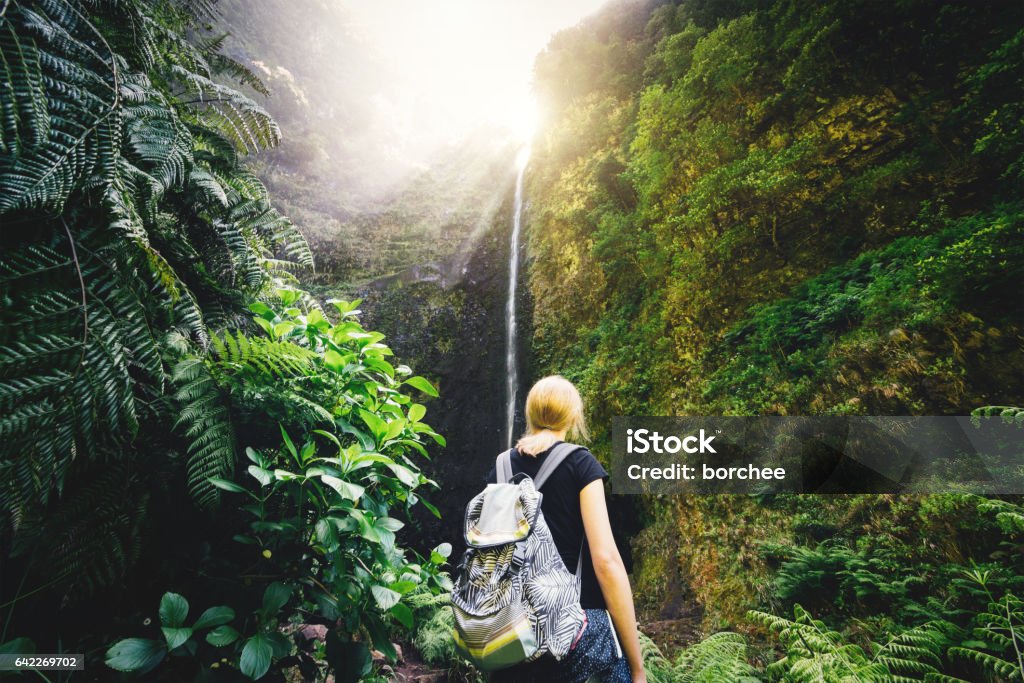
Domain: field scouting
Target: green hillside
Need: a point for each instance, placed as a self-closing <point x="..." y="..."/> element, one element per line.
<point x="789" y="208"/>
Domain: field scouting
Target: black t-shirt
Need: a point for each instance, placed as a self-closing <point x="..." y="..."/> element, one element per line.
<point x="561" y="508"/>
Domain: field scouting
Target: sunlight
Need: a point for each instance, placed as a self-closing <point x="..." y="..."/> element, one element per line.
<point x="523" y="157"/>
<point x="459" y="65"/>
<point x="522" y="119"/>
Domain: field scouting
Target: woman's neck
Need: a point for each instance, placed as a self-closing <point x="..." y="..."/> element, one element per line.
<point x="539" y="441"/>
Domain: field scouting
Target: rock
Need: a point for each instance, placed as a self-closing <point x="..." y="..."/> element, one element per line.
<point x="379" y="658"/>
<point x="313" y="632"/>
<point x="432" y="677"/>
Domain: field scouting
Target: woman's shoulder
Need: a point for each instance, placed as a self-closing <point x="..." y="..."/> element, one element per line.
<point x="586" y="466"/>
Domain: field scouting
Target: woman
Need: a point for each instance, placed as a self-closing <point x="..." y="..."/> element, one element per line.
<point x="575" y="510"/>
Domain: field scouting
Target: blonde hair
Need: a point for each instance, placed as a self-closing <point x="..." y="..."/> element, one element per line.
<point x="553" y="404"/>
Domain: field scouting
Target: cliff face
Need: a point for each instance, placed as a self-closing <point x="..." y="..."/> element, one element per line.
<point x="447" y="319"/>
<point x="777" y="207"/>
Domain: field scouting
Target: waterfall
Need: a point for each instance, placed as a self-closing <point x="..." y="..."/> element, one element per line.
<point x="511" y="364"/>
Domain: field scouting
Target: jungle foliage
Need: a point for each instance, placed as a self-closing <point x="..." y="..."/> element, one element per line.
<point x="786" y="207"/>
<point x="149" y="339"/>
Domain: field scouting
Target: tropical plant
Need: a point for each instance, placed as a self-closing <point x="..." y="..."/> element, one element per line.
<point x="996" y="641"/>
<point x="817" y="654"/>
<point x="252" y="655"/>
<point x="319" y="506"/>
<point x="718" y="658"/>
<point x="131" y="229"/>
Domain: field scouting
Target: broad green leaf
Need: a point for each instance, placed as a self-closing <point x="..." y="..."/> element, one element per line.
<point x="380" y="365"/>
<point x="215" y="616"/>
<point x="280" y="644"/>
<point x="327" y="435"/>
<point x="385" y="597"/>
<point x="403" y="587"/>
<point x="334" y="361"/>
<point x="444" y="550"/>
<point x="285" y="475"/>
<point x="366" y="459"/>
<point x="345" y="307"/>
<point x="135" y="654"/>
<point x="403" y="614"/>
<point x="283" y="328"/>
<point x="324" y="531"/>
<point x="226" y="485"/>
<point x="254" y="455"/>
<point x="365" y="440"/>
<point x="275" y="597"/>
<point x="265" y="477"/>
<point x="261" y="309"/>
<point x="376" y="349"/>
<point x="416" y="446"/>
<point x="255" y="660"/>
<point x="222" y="635"/>
<point x="347" y="490"/>
<point x="379" y="636"/>
<point x="416" y="412"/>
<point x="395" y="428"/>
<point x="176" y="636"/>
<point x="426" y="429"/>
<point x="288" y="296"/>
<point x="267" y="326"/>
<point x="18" y="646"/>
<point x="405" y="475"/>
<point x="390" y="523"/>
<point x="366" y="528"/>
<point x="173" y="610"/>
<point x="377" y="426"/>
<point x="308" y="452"/>
<point x="423" y="384"/>
<point x="344" y="524"/>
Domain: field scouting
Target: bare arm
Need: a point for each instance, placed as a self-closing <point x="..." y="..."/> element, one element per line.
<point x="611" y="574"/>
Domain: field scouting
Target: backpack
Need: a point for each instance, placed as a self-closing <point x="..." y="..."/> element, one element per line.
<point x="513" y="598"/>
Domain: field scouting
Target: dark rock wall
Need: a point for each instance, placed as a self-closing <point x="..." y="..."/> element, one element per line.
<point x="447" y="322"/>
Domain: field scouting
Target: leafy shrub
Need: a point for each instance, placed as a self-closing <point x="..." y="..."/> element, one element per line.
<point x="320" y="506"/>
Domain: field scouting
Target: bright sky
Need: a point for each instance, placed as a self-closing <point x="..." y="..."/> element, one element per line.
<point x="461" y="63"/>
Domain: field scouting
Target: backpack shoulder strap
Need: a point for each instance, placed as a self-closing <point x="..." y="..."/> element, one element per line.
<point x="503" y="468"/>
<point x="554" y="459"/>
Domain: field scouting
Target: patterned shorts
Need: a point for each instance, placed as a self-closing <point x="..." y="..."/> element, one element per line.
<point x="597" y="655"/>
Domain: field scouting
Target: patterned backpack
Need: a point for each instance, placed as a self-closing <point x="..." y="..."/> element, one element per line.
<point x="513" y="598"/>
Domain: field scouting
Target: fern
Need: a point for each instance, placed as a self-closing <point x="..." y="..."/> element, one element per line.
<point x="63" y="96"/>
<point x="1012" y="412"/>
<point x="207" y="421"/>
<point x="719" y="658"/>
<point x="998" y="645"/>
<point x="816" y="654"/>
<point x="1009" y="516"/>
<point x="130" y="230"/>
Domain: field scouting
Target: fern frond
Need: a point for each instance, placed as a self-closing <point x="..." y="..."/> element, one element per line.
<point x="207" y="422"/>
<point x="229" y="112"/>
<point x="64" y="92"/>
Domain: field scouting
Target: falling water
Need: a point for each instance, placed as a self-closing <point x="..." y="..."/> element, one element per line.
<point x="511" y="366"/>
